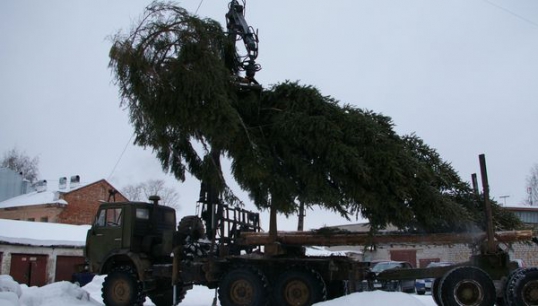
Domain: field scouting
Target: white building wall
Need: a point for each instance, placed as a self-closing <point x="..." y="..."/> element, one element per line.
<point x="527" y="252"/>
<point x="52" y="253"/>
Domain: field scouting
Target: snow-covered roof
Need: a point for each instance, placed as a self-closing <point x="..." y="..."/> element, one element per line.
<point x="33" y="198"/>
<point x="42" y="233"/>
<point x="521" y="208"/>
<point x="49" y="196"/>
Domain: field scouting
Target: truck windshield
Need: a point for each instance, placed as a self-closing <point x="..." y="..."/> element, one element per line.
<point x="109" y="217"/>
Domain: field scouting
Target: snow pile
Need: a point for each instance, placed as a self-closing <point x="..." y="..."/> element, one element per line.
<point x="94" y="287"/>
<point x="56" y="294"/>
<point x="376" y="298"/>
<point x="60" y="293"/>
<point x="10" y="291"/>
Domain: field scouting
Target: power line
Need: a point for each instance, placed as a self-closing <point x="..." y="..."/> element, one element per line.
<point x="121" y="156"/>
<point x="200" y="4"/>
<point x="512" y="13"/>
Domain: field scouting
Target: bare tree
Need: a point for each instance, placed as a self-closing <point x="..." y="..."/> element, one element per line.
<point x="22" y="163"/>
<point x="142" y="191"/>
<point x="532" y="186"/>
<point x="133" y="192"/>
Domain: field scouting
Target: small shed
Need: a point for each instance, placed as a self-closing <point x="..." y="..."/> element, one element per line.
<point x="36" y="253"/>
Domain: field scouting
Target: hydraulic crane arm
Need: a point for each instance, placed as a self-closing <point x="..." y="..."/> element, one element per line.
<point x="237" y="26"/>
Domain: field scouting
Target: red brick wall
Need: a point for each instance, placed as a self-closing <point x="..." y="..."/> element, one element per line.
<point x="83" y="203"/>
<point x="33" y="212"/>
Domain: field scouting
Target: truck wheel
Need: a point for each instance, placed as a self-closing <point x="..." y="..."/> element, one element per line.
<point x="243" y="286"/>
<point x="467" y="286"/>
<point x="510" y="285"/>
<point x="522" y="288"/>
<point x="165" y="297"/>
<point x="299" y="287"/>
<point x="122" y="288"/>
<point x="336" y="289"/>
<point x="435" y="291"/>
<point x="190" y="228"/>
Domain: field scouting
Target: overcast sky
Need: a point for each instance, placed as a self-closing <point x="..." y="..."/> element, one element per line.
<point x="461" y="74"/>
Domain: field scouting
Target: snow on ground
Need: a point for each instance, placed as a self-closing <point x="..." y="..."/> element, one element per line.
<point x="68" y="294"/>
<point x="56" y="294"/>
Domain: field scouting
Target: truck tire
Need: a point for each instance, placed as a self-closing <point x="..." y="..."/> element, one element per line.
<point x="299" y="287"/>
<point x="165" y="297"/>
<point x="122" y="288"/>
<point x="243" y="286"/>
<point x="522" y="287"/>
<point x="467" y="286"/>
<point x="510" y="285"/>
<point x="435" y="291"/>
<point x="190" y="229"/>
<point x="336" y="289"/>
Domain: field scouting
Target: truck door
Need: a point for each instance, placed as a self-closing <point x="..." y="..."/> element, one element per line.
<point x="105" y="235"/>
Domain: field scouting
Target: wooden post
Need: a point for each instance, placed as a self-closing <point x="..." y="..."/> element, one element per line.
<point x="474" y="181"/>
<point x="490" y="231"/>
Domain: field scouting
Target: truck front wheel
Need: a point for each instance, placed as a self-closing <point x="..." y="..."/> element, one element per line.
<point x="122" y="288"/>
<point x="467" y="286"/>
<point x="243" y="286"/>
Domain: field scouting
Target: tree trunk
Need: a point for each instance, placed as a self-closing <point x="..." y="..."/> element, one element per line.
<point x="300" y="223"/>
<point x="273" y="229"/>
<point x="360" y="238"/>
<point x="272" y="247"/>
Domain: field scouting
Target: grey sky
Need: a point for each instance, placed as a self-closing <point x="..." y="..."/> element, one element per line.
<point x="461" y="74"/>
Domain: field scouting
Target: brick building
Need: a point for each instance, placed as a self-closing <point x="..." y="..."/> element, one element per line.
<point x="74" y="204"/>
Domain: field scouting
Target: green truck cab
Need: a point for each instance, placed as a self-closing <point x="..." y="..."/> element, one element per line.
<point x="127" y="241"/>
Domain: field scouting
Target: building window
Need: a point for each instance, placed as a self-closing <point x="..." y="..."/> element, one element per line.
<point x="31" y="219"/>
<point x="44" y="219"/>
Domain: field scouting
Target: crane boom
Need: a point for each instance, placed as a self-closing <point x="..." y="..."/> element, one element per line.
<point x="238" y="26"/>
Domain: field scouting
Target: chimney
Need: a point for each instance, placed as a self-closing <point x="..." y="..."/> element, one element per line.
<point x="41" y="186"/>
<point x="62" y="184"/>
<point x="75" y="182"/>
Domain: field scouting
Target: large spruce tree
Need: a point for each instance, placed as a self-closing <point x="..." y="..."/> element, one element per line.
<point x="287" y="144"/>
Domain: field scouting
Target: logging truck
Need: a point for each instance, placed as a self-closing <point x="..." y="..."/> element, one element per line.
<point x="144" y="252"/>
